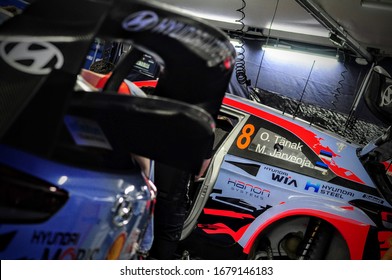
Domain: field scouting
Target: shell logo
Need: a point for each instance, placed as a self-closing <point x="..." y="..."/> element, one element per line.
<point x="116" y="248"/>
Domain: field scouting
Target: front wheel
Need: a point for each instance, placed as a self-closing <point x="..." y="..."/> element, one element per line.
<point x="300" y="238"/>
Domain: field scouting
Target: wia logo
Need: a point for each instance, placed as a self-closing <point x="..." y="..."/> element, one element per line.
<point x="287" y="180"/>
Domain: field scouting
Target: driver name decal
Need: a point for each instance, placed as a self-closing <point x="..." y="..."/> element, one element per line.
<point x="307" y="136"/>
<point x="271" y="144"/>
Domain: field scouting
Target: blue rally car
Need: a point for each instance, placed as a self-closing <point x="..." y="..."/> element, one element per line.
<point x="73" y="159"/>
<point x="51" y="210"/>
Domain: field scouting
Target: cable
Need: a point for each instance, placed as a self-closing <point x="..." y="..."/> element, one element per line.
<point x="240" y="70"/>
<point x="303" y="91"/>
<point x="268" y="37"/>
<point x="338" y="90"/>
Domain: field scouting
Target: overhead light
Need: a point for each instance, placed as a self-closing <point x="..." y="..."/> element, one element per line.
<point x="377" y="4"/>
<point x="282" y="50"/>
<point x="361" y="61"/>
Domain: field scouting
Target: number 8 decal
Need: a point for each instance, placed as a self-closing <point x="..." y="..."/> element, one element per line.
<point x="247" y="132"/>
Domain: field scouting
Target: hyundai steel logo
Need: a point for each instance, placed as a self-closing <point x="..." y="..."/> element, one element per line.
<point x="37" y="58"/>
<point x="386" y="97"/>
<point x="140" y="21"/>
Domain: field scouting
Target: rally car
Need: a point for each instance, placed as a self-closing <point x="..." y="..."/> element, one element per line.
<point x="280" y="188"/>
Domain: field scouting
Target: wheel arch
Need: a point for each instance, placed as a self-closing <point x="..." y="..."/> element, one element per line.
<point x="351" y="223"/>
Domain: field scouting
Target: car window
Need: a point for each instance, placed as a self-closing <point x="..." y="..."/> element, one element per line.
<point x="224" y="125"/>
<point x="271" y="144"/>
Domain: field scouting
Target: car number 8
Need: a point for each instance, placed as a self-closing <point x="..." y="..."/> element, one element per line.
<point x="244" y="139"/>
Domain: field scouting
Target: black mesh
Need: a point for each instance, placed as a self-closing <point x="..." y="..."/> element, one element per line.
<point x="13" y="98"/>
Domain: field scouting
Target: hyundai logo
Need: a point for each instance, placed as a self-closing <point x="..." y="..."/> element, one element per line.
<point x="386" y="97"/>
<point x="37" y="58"/>
<point x="140" y="21"/>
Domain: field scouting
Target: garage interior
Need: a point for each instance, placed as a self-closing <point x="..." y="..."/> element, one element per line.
<point x="353" y="32"/>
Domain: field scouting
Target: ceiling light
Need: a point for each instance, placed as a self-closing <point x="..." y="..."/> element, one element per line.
<point x="283" y="50"/>
<point x="361" y="61"/>
<point x="377" y="4"/>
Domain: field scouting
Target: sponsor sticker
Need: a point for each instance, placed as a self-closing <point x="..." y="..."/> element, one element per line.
<point x="203" y="43"/>
<point x="86" y="132"/>
<point x="327" y="190"/>
<point x="386" y="97"/>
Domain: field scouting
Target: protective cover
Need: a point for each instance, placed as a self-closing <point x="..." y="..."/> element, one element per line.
<point x="378" y="95"/>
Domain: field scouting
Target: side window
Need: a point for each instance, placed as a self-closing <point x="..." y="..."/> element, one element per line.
<point x="267" y="143"/>
<point x="224" y="125"/>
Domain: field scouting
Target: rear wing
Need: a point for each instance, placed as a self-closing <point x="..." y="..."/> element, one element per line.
<point x="197" y="58"/>
<point x="47" y="35"/>
<point x="40" y="64"/>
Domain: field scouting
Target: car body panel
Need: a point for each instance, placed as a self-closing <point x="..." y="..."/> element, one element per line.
<point x="83" y="228"/>
<point x="252" y="189"/>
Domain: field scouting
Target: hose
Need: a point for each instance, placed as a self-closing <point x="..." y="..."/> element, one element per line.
<point x="240" y="69"/>
<point x="339" y="89"/>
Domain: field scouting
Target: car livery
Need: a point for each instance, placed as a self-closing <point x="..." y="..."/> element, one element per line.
<point x="278" y="187"/>
<point x="56" y="211"/>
